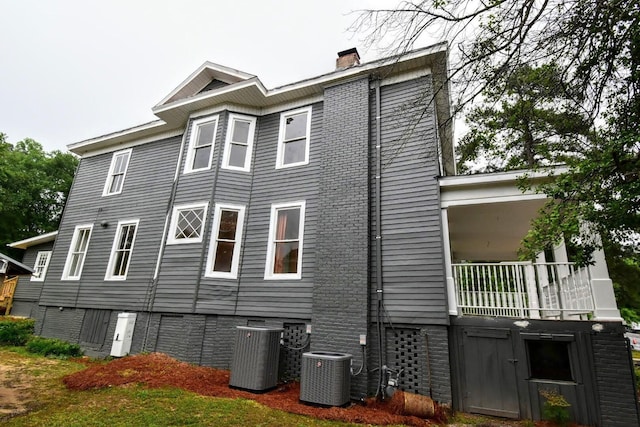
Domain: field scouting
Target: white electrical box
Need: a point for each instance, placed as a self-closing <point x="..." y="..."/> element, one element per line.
<point x="123" y="335"/>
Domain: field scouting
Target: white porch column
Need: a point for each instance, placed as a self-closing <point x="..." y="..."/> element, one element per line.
<point x="448" y="269"/>
<point x="602" y="289"/>
<point x="560" y="252"/>
<point x="561" y="257"/>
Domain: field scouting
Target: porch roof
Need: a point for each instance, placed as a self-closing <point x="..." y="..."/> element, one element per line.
<point x="32" y="241"/>
<point x="488" y="215"/>
<point x="13" y="266"/>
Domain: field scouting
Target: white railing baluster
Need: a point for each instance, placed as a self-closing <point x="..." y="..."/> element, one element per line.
<point x="515" y="289"/>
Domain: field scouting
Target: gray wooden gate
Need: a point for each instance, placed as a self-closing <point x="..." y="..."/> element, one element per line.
<point x="490" y="373"/>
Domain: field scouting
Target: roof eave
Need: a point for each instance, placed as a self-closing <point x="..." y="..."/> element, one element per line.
<point x="16" y="267"/>
<point x="251" y="92"/>
<point x="36" y="240"/>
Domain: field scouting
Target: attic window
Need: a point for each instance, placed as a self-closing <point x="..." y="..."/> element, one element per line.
<point x="213" y="85"/>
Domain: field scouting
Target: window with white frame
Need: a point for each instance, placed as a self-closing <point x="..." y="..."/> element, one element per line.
<point x="187" y="223"/>
<point x="117" y="172"/>
<point x="293" y="141"/>
<point x="284" y="253"/>
<point x="238" y="145"/>
<point x="40" y="266"/>
<point x="77" y="252"/>
<point x="200" y="151"/>
<point x="224" y="250"/>
<point x="122" y="250"/>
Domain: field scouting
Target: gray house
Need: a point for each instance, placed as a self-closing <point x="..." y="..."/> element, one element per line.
<point x="328" y="208"/>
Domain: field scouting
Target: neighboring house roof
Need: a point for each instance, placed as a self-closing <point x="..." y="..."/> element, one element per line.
<point x="243" y="91"/>
<point x="32" y="241"/>
<point x="13" y="266"/>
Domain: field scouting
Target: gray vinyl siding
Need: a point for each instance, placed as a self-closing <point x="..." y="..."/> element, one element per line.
<point x="412" y="252"/>
<point x="144" y="196"/>
<point x="28" y="290"/>
<point x="271" y="298"/>
<point x="182" y="286"/>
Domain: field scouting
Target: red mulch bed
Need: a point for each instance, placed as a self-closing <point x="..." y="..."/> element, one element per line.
<point x="157" y="370"/>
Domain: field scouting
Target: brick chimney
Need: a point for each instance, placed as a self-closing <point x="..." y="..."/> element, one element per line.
<point x="347" y="58"/>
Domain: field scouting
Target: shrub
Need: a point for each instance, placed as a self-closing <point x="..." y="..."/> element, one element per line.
<point x="53" y="347"/>
<point x="555" y="408"/>
<point x="15" y="331"/>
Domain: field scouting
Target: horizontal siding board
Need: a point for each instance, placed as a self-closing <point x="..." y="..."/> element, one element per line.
<point x="413" y="272"/>
<point x="27" y="289"/>
<point x="274" y="298"/>
<point x="144" y="196"/>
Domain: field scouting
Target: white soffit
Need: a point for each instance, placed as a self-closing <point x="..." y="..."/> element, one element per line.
<point x="32" y="241"/>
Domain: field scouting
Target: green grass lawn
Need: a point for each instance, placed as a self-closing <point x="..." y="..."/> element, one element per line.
<point x="52" y="404"/>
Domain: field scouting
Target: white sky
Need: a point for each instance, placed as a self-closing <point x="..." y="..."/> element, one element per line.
<point x="76" y="69"/>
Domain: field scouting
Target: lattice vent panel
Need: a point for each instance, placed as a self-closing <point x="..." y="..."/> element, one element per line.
<point x="403" y="353"/>
<point x="294" y="337"/>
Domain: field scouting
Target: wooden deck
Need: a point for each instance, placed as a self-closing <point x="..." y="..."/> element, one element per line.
<point x="6" y="295"/>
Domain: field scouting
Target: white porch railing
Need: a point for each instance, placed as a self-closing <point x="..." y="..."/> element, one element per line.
<point x="523" y="290"/>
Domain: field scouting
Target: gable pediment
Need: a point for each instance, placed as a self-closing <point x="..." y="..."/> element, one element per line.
<point x="207" y="77"/>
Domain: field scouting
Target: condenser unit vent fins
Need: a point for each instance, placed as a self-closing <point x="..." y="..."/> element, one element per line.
<point x="325" y="378"/>
<point x="254" y="365"/>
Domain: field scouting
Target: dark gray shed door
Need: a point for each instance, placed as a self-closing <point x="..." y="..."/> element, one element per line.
<point x="490" y="373"/>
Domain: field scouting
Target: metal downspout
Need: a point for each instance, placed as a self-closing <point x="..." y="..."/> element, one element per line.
<point x="378" y="213"/>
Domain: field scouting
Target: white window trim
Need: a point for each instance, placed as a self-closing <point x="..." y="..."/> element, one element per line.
<point x="74" y="240"/>
<point x="268" y="272"/>
<point x="171" y="240"/>
<point x="107" y="184"/>
<point x="280" y="153"/>
<point x="112" y="258"/>
<point x="228" y="142"/>
<point x="233" y="274"/>
<point x="43" y="273"/>
<point x="193" y="138"/>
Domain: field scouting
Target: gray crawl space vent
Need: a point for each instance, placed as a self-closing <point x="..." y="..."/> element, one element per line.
<point x="254" y="366"/>
<point x="325" y="378"/>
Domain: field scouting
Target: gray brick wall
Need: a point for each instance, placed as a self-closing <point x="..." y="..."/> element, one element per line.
<point x="64" y="324"/>
<point x="614" y="380"/>
<point x="437" y="379"/>
<point x="340" y="290"/>
<point x="422" y="352"/>
<point x="24" y="308"/>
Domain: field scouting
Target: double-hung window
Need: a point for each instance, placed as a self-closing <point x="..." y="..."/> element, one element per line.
<point x="200" y="151"/>
<point x="40" y="266"/>
<point x="224" y="250"/>
<point x="293" y="141"/>
<point x="187" y="223"/>
<point x="77" y="252"/>
<point x="122" y="250"/>
<point x="238" y="145"/>
<point x="117" y="172"/>
<point x="286" y="230"/>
